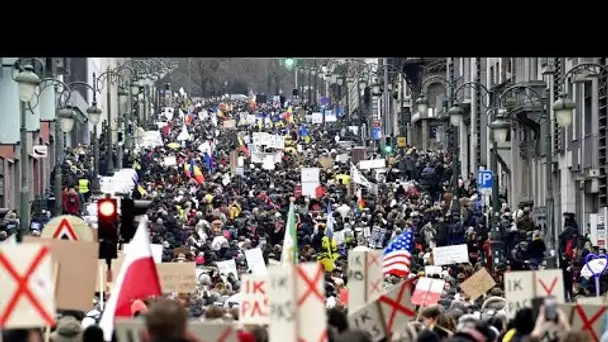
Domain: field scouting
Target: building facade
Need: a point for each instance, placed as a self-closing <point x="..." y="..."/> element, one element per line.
<point x="578" y="152"/>
<point x="41" y="122"/>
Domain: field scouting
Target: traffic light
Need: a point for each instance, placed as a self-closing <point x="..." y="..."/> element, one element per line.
<point x="289" y="62"/>
<point x="107" y="227"/>
<point x="388" y="146"/>
<point x="129" y="210"/>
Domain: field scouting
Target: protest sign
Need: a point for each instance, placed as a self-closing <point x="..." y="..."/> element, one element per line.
<point x="297" y="307"/>
<point x="396" y="307"/>
<point x="177" y="277"/>
<point x="70" y="294"/>
<point x="369" y="318"/>
<point x="255" y="260"/>
<point x="449" y="255"/>
<point x="478" y="284"/>
<point x="364" y="278"/>
<point x="523" y="286"/>
<point x="254" y="305"/>
<point x="27" y="294"/>
<point x="227" y="267"/>
<point x="428" y="291"/>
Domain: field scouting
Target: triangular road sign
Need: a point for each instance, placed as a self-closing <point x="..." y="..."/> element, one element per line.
<point x="64" y="231"/>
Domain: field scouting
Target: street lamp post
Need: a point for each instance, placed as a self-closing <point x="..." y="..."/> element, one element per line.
<point x="563" y="107"/>
<point x="111" y="76"/>
<point x="386" y="98"/>
<point x="313" y="72"/>
<point x="27" y="82"/>
<point x="302" y="81"/>
<point x="362" y="84"/>
<point x="94" y="113"/>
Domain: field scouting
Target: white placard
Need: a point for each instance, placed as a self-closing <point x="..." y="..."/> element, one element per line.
<point x="368" y="318"/>
<point x="265" y="139"/>
<point x="449" y="255"/>
<point x="255" y="260"/>
<point x="283" y="309"/>
<point x="254" y="306"/>
<point x="309" y="175"/>
<point x="523" y="286"/>
<point x="372" y="164"/>
<point x="430" y="270"/>
<point x="365" y="278"/>
<point x="310" y="189"/>
<point x="170" y="161"/>
<point x="317" y="118"/>
<point x="277" y="141"/>
<point x="268" y="162"/>
<point x="330" y="117"/>
<point x="257" y="138"/>
<point x="227" y="267"/>
<point x="157" y="251"/>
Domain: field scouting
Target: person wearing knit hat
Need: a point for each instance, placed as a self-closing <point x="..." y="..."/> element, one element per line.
<point x="68" y="330"/>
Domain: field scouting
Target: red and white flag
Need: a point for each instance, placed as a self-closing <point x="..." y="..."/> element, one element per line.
<point x="137" y="279"/>
<point x="428" y="291"/>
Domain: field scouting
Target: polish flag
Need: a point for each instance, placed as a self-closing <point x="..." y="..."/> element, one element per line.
<point x="138" y="279"/>
<point x="428" y="291"/>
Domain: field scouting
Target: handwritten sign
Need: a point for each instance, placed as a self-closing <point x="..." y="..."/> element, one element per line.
<point x="177" y="277"/>
<point x="449" y="255"/>
<point x="282" y="312"/>
<point x="365" y="278"/>
<point x="478" y="284"/>
<point x="369" y="318"/>
<point x="522" y="286"/>
<point x="255" y="305"/>
<point x="297" y="307"/>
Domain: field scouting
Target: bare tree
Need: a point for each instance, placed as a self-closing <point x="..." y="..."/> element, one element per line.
<point x="205" y="76"/>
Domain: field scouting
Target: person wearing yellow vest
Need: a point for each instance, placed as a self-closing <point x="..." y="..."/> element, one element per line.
<point x="83" y="188"/>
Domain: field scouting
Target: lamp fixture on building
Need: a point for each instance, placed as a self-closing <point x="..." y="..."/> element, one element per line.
<point x="500" y="127"/>
<point x="27" y="82"/>
<point x="422" y="104"/>
<point x="563" y="109"/>
<point x="94" y="114"/>
<point x="66" y="118"/>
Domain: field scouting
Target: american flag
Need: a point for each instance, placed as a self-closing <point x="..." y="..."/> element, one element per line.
<point x="398" y="255"/>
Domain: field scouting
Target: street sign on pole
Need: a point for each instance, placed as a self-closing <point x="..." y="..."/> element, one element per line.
<point x="484" y="181"/>
<point x="401" y="142"/>
<point x="376" y="133"/>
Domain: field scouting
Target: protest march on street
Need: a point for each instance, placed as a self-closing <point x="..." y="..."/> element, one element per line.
<point x="230" y="217"/>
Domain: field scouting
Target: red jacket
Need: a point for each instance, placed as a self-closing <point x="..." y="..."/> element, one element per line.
<point x="71" y="203"/>
<point x="487" y="251"/>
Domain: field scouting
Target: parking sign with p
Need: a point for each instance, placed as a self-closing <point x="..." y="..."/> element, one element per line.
<point x="484" y="181"/>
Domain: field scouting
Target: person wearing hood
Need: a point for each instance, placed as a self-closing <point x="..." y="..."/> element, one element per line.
<point x="68" y="329"/>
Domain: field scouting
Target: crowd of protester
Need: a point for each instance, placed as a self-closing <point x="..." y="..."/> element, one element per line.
<point x="204" y="211"/>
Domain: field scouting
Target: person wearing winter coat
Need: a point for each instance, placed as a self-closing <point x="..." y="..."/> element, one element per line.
<point x="71" y="202"/>
<point x="536" y="249"/>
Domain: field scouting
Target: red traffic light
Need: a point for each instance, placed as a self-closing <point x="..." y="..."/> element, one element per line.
<point x="107" y="208"/>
